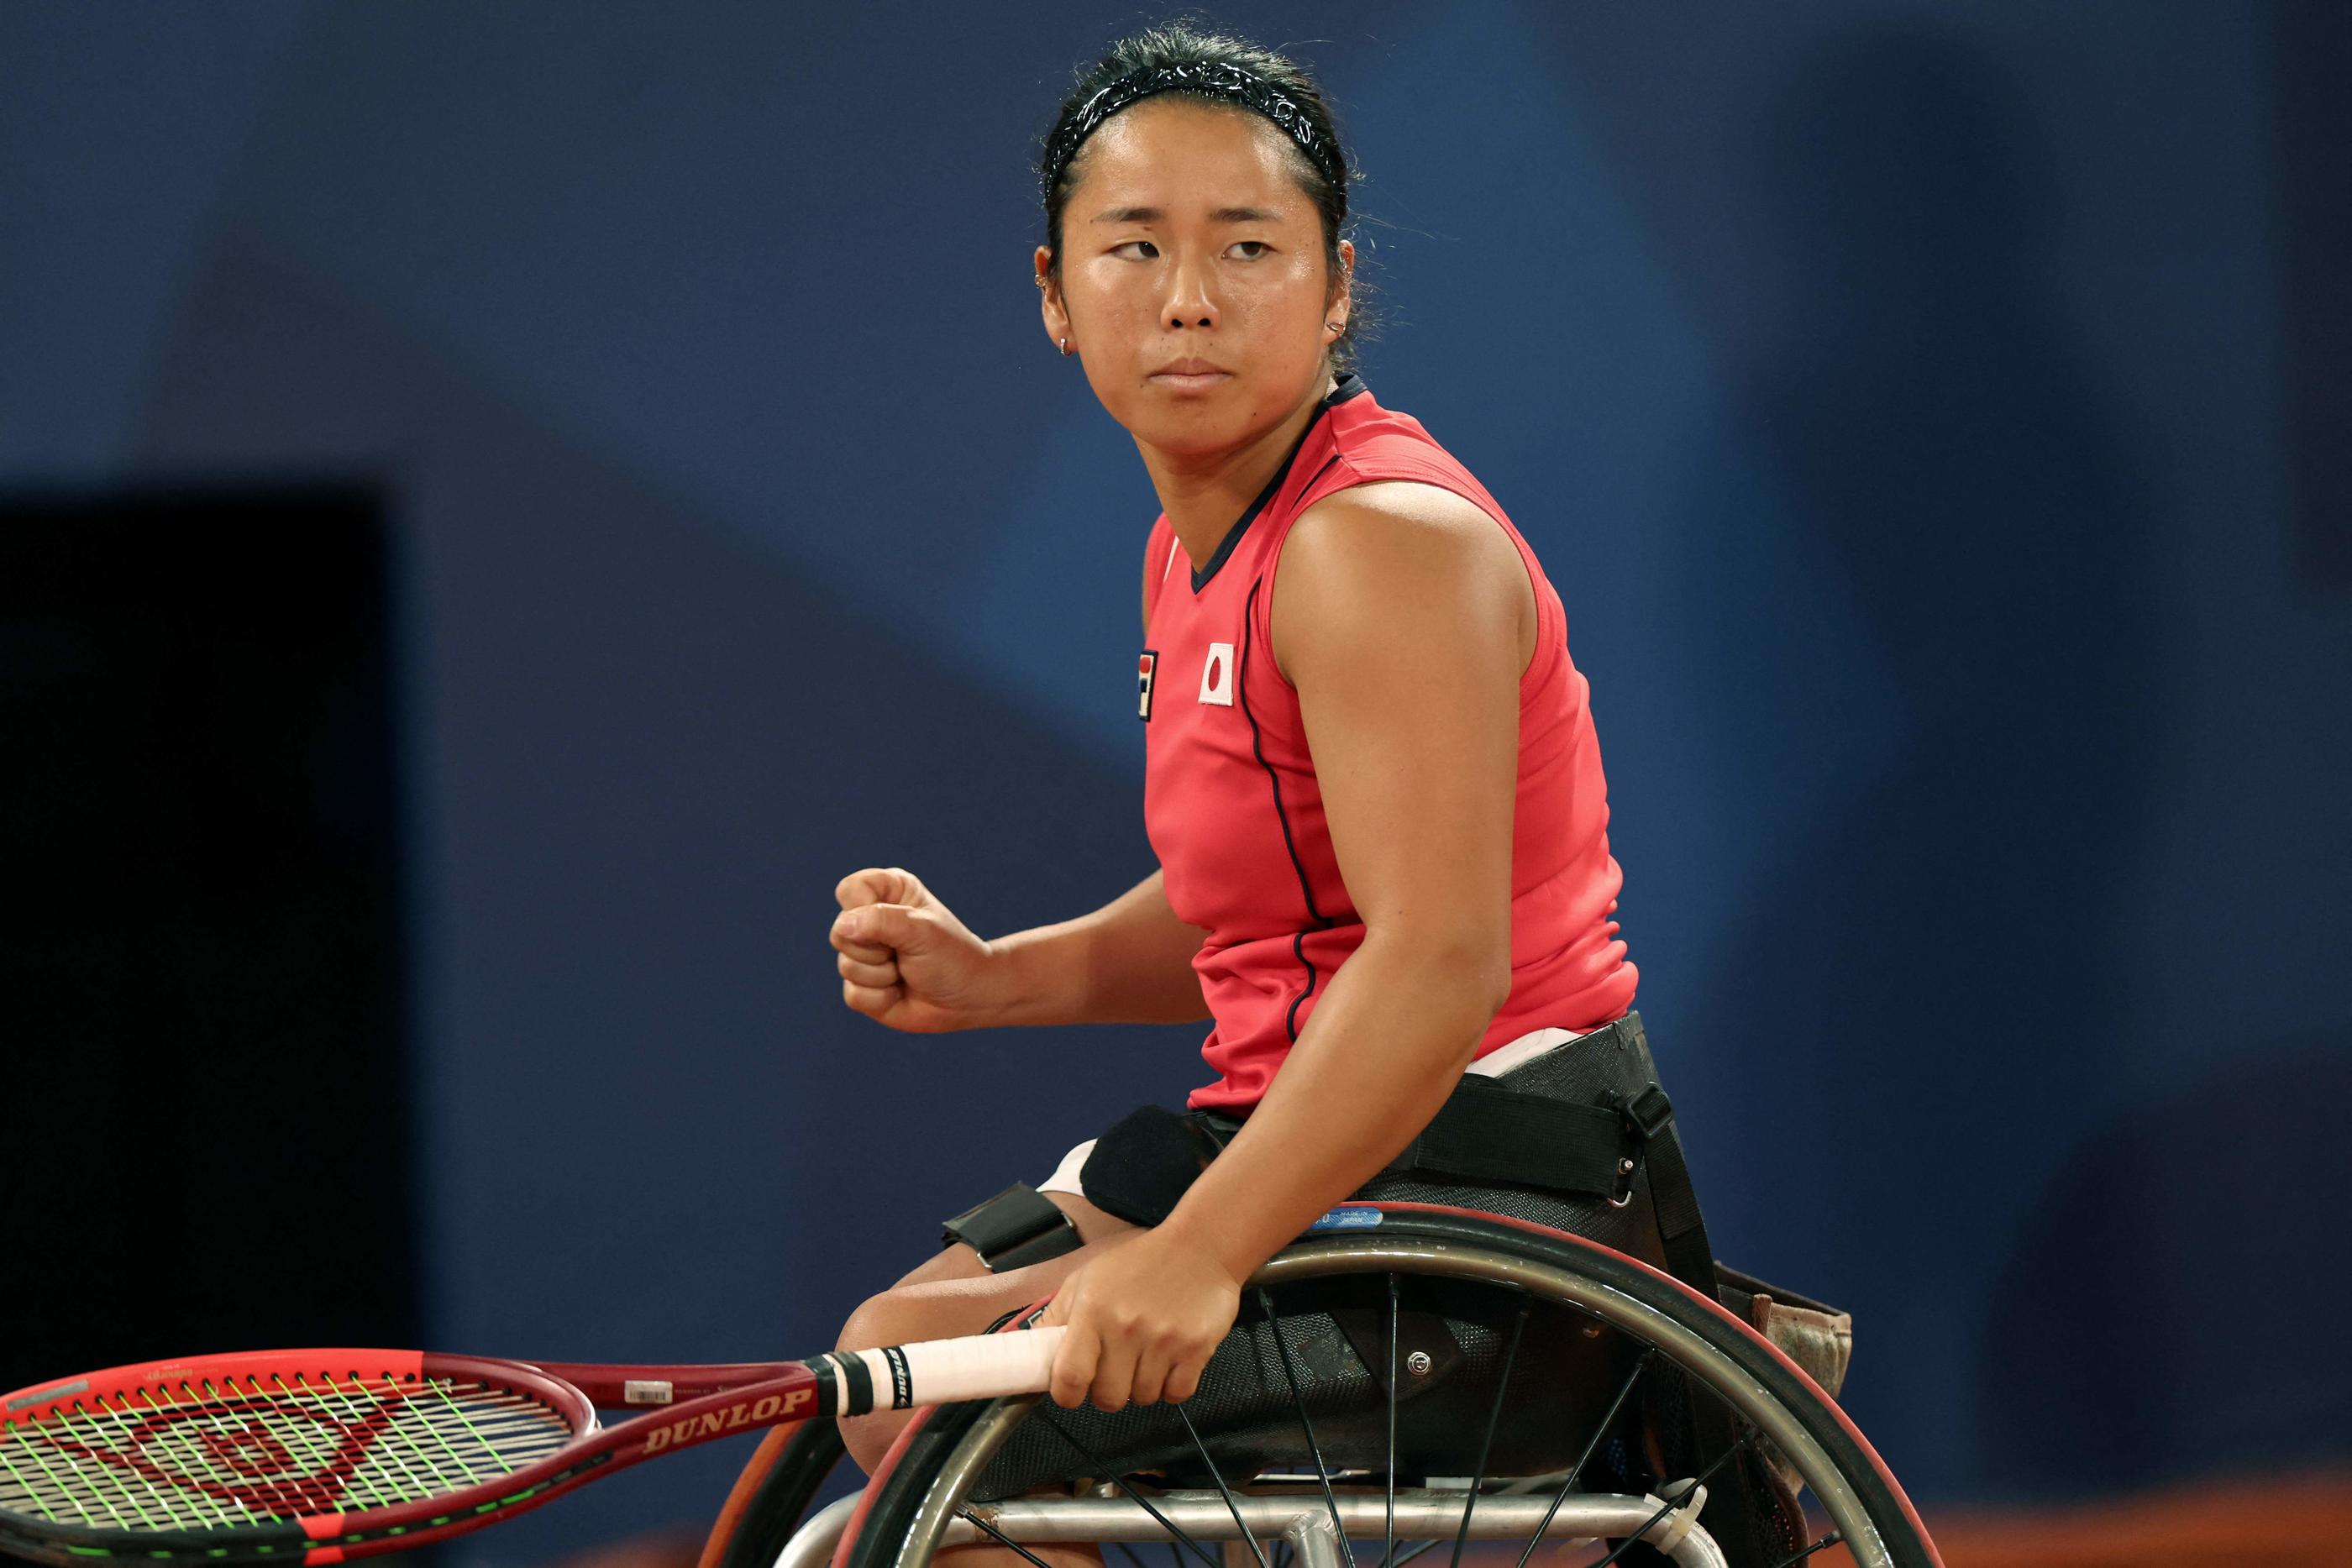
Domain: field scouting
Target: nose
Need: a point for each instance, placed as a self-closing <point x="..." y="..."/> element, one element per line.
<point x="1190" y="302"/>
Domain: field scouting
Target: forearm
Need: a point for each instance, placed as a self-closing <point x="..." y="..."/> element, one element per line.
<point x="1128" y="962"/>
<point x="1380" y="1055"/>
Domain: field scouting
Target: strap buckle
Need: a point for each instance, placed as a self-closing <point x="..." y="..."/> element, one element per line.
<point x="1647" y="1112"/>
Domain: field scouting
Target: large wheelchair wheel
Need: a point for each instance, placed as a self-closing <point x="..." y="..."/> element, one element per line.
<point x="1416" y="1377"/>
<point x="764" y="1512"/>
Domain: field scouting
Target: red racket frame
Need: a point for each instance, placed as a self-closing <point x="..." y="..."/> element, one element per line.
<point x="706" y="1402"/>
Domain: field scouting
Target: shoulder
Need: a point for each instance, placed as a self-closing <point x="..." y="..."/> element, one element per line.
<point x="1398" y="521"/>
<point x="1392" y="549"/>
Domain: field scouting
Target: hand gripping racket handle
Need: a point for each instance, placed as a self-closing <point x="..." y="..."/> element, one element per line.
<point x="942" y="1370"/>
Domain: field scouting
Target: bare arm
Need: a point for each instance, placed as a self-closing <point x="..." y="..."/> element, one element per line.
<point x="1129" y="962"/>
<point x="1401" y="624"/>
<point x="1405" y="624"/>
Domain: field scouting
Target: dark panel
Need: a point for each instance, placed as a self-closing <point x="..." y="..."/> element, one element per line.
<point x="201" y="944"/>
<point x="2313" y="42"/>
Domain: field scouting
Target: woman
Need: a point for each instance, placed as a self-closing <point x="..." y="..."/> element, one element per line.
<point x="1372" y="783"/>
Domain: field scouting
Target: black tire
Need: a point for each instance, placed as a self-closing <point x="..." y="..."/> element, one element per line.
<point x="953" y="1448"/>
<point x="782" y="1500"/>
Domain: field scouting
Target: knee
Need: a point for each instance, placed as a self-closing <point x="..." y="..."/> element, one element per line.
<point x="890" y="1318"/>
<point x="950" y="1294"/>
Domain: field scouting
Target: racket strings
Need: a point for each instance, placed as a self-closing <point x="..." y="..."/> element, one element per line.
<point x="213" y="1455"/>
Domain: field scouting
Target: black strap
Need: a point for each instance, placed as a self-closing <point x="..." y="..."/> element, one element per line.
<point x="1489" y="1132"/>
<point x="1680" y="1230"/>
<point x="1738" y="1498"/>
<point x="1018" y="1226"/>
<point x="1485" y="1133"/>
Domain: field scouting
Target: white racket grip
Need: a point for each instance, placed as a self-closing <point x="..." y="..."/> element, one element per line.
<point x="982" y="1366"/>
<point x="943" y="1371"/>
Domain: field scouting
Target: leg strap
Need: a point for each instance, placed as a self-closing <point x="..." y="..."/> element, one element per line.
<point x="1018" y="1226"/>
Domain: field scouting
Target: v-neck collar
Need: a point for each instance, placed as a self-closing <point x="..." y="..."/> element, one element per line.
<point x="1348" y="386"/>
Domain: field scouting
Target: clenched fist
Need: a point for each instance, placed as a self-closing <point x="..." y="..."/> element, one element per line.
<point x="905" y="960"/>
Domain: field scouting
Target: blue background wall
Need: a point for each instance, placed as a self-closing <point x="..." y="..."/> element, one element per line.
<point x="1930" y="414"/>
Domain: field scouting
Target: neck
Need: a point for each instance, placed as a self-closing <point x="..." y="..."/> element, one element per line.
<point x="1205" y="494"/>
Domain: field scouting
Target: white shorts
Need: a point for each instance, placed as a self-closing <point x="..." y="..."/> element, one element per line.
<point x="1493" y="1064"/>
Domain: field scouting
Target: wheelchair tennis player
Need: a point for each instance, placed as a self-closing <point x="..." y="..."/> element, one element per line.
<point x="1373" y="789"/>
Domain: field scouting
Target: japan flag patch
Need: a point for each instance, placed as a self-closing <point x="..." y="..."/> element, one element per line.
<point x="1217" y="675"/>
<point x="1143" y="667"/>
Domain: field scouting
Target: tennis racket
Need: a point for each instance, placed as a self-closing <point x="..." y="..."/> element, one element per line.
<point x="317" y="1456"/>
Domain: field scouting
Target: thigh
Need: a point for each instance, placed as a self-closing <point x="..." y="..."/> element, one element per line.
<point x="959" y="1263"/>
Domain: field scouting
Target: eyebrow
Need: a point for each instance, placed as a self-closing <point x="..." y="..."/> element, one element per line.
<point x="1153" y="214"/>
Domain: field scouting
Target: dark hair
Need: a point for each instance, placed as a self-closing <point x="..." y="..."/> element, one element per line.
<point x="1182" y="42"/>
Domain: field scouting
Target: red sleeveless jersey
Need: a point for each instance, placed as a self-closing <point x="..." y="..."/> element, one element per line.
<point x="1234" y="813"/>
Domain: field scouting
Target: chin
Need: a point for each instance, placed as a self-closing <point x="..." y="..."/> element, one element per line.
<point x="1180" y="421"/>
<point x="1190" y="429"/>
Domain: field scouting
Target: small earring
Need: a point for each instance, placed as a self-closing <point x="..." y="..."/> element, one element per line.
<point x="1066" y="347"/>
<point x="1330" y="326"/>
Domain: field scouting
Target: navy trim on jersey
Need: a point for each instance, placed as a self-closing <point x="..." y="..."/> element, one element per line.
<point x="1322" y="922"/>
<point x="1347" y="387"/>
<point x="1328" y="462"/>
<point x="1290" y="1018"/>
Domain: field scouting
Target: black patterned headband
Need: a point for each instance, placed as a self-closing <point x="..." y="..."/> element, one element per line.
<point x="1211" y="79"/>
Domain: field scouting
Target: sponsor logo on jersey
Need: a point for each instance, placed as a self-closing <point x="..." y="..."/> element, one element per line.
<point x="1217" y="675"/>
<point x="1143" y="668"/>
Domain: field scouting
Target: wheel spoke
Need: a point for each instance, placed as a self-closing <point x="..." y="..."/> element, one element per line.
<point x="1832" y="1539"/>
<point x="1388" y="1548"/>
<point x="1486" y="1443"/>
<point x="1299" y="1401"/>
<point x="1222" y="1491"/>
<point x="1569" y="1484"/>
<point x="1121" y="1482"/>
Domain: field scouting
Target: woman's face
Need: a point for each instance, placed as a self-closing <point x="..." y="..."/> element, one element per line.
<point x="1188" y="239"/>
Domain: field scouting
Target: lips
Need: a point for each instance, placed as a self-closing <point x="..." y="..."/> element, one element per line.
<point x="1186" y="375"/>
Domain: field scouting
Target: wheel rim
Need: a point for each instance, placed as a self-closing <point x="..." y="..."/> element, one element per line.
<point x="1368" y="1252"/>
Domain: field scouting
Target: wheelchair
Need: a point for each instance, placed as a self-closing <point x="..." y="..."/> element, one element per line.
<point x="1405" y="1378"/>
